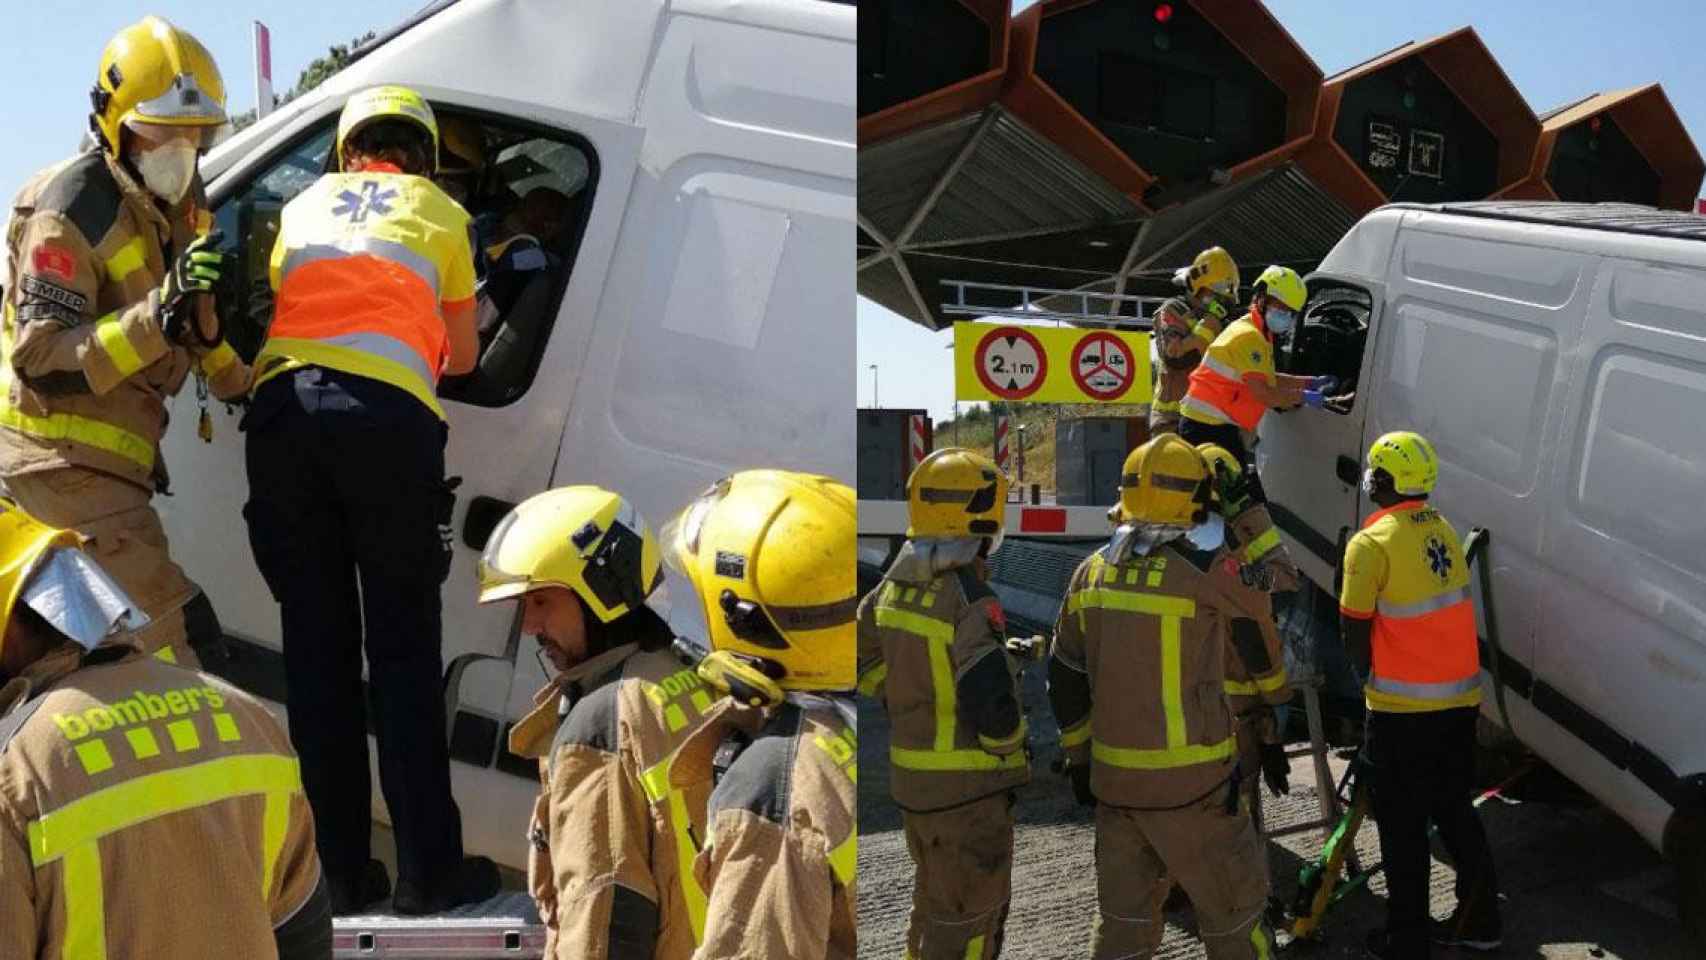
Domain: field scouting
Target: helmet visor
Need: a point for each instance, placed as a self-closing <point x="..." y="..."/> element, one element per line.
<point x="496" y="582"/>
<point x="680" y="536"/>
<point x="80" y="599"/>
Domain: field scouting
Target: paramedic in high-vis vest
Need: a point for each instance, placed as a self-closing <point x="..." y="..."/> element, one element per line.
<point x="771" y="556"/>
<point x="932" y="647"/>
<point x="374" y="275"/>
<point x="1235" y="385"/>
<point x="1143" y="631"/>
<point x="108" y="310"/>
<point x="1409" y="624"/>
<point x="145" y="810"/>
<point x="612" y="839"/>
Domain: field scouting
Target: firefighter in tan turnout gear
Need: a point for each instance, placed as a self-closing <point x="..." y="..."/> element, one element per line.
<point x="109" y="308"/>
<point x="1256" y="680"/>
<point x="145" y="810"/>
<point x="1185" y="326"/>
<point x="613" y="836"/>
<point x="770" y="555"/>
<point x="931" y="645"/>
<point x="1141" y="636"/>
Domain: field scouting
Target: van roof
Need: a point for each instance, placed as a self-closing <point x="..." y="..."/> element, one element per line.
<point x="1615" y="217"/>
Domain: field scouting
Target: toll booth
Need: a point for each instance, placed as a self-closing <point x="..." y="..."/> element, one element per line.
<point x="1088" y="455"/>
<point x="1188" y="90"/>
<point x="925" y="61"/>
<point x="890" y="443"/>
<point x="1627" y="146"/>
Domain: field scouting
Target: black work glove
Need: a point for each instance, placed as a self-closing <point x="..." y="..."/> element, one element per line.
<point x="1080" y="777"/>
<point x="196" y="273"/>
<point x="1276" y="769"/>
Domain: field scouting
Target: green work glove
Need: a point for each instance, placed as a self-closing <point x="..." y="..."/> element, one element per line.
<point x="196" y="273"/>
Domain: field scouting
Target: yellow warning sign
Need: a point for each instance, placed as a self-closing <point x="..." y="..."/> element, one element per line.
<point x="1019" y="364"/>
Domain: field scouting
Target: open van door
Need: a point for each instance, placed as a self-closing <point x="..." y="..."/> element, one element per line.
<point x="1310" y="461"/>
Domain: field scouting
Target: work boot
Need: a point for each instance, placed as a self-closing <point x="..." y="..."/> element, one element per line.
<point x="1479" y="932"/>
<point x="351" y="894"/>
<point x="472" y="880"/>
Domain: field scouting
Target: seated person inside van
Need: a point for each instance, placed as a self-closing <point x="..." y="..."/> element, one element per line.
<point x="518" y="250"/>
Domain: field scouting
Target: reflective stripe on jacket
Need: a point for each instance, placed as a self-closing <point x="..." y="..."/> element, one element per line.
<point x="363" y="265"/>
<point x="87" y="371"/>
<point x="147" y="811"/>
<point x="1137" y="677"/>
<point x="1405" y="569"/>
<point x="1218" y="393"/>
<point x="938" y="646"/>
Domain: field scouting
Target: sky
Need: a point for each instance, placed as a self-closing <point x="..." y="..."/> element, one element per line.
<point x="1554" y="51"/>
<point x="48" y="60"/>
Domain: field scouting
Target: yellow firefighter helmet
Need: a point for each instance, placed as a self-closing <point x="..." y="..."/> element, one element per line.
<point x="1213" y="271"/>
<point x="771" y="555"/>
<point x="956" y="492"/>
<point x="1165" y="482"/>
<point x="461" y="148"/>
<point x="152" y="72"/>
<point x="584" y="538"/>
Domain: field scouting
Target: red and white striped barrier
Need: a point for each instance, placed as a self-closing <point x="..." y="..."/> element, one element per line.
<point x="918" y="443"/>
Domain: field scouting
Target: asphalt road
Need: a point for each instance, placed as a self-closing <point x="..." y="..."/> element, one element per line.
<point x="1578" y="883"/>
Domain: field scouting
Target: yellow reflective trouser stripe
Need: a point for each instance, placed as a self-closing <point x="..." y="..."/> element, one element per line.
<point x="993" y="744"/>
<point x="118" y="348"/>
<point x="844" y="858"/>
<point x="126" y="261"/>
<point x="1259" y="939"/>
<point x="1172" y="694"/>
<point x="275" y="823"/>
<point x="939" y="636"/>
<point x="1133" y="759"/>
<point x="1253" y="687"/>
<point x="1263" y="543"/>
<point x="954" y="759"/>
<point x="974" y="949"/>
<point x="85" y="904"/>
<point x="655" y="781"/>
<point x="873" y="679"/>
<point x="1077" y="734"/>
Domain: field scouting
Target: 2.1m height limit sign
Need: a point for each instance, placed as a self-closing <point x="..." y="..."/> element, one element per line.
<point x="1020" y="364"/>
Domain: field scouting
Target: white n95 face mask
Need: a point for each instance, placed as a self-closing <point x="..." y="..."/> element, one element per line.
<point x="168" y="169"/>
<point x="1280" y="321"/>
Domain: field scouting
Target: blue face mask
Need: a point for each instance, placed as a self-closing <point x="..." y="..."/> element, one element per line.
<point x="1279" y="319"/>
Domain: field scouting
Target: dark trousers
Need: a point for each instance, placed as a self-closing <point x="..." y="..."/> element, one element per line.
<point x="1228" y="437"/>
<point x="1424" y="770"/>
<point x="346" y="486"/>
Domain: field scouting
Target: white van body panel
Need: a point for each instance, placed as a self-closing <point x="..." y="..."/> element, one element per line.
<point x="1560" y="372"/>
<point x="703" y="328"/>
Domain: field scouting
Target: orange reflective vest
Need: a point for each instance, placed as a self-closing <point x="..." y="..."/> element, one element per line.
<point x="1405" y="569"/>
<point x="364" y="265"/>
<point x="1218" y="394"/>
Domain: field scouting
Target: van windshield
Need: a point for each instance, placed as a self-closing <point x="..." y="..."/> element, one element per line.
<point x="1331" y="338"/>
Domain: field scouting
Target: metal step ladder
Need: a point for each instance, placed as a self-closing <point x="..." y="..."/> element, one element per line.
<point x="505" y="927"/>
<point x="1326" y="788"/>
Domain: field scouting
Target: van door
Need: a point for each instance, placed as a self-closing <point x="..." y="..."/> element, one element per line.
<point x="1476" y="354"/>
<point x="1310" y="460"/>
<point x="506" y="420"/>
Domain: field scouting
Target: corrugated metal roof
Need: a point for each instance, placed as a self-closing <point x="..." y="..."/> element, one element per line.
<point x="1278" y="217"/>
<point x="1016" y="180"/>
<point x="895" y="176"/>
<point x="882" y="282"/>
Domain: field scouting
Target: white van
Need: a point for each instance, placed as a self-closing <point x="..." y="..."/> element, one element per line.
<point x="696" y="322"/>
<point x="1555" y="355"/>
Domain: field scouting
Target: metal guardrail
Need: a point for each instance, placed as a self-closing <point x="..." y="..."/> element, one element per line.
<point x="1031" y="308"/>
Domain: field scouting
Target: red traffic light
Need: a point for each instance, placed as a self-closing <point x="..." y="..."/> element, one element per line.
<point x="1163" y="12"/>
